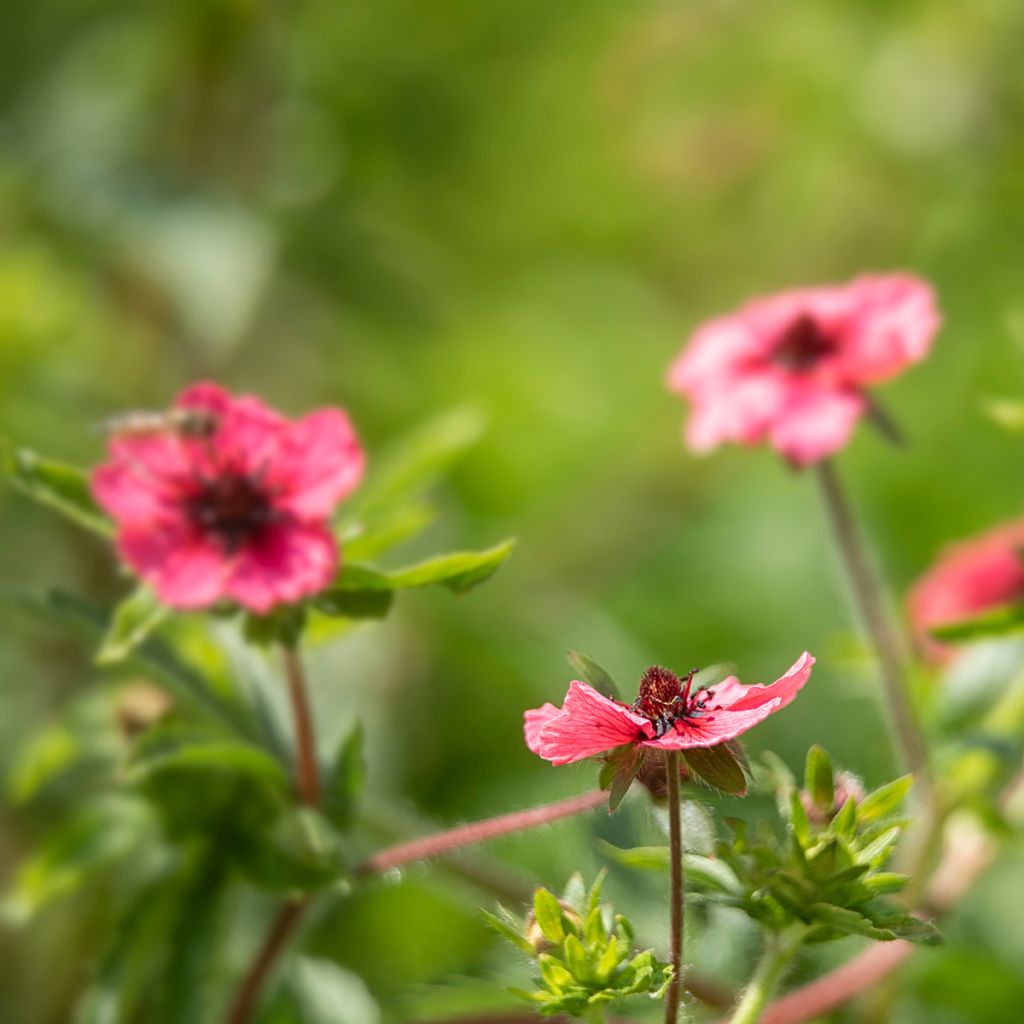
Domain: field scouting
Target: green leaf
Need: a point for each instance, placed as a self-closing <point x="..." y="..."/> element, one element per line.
<point x="318" y="991"/>
<point x="1001" y="621"/>
<point x="711" y="675"/>
<point x="548" y="913"/>
<point x="174" y="746"/>
<point x="100" y="834"/>
<point x="849" y="922"/>
<point x="354" y="604"/>
<point x="460" y="572"/>
<point x="299" y="850"/>
<point x="576" y="959"/>
<point x="884" y="800"/>
<point x="619" y="773"/>
<point x="590" y="672"/>
<point x="506" y="931"/>
<point x="56" y="485"/>
<point x="133" y="620"/>
<point x="344" y="781"/>
<point x="417" y="460"/>
<point x="818" y="779"/>
<point x="719" y="766"/>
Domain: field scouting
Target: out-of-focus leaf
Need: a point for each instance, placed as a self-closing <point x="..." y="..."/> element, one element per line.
<point x="590" y="672"/>
<point x="317" y="991"/>
<point x="298" y="850"/>
<point x="56" y="485"/>
<point x="173" y="746"/>
<point x="459" y="572"/>
<point x="151" y="657"/>
<point x="508" y="931"/>
<point x="387" y="530"/>
<point x="133" y="620"/>
<point x="721" y="767"/>
<point x="98" y="835"/>
<point x="344" y="781"/>
<point x="710" y="676"/>
<point x="416" y="461"/>
<point x="1001" y="621"/>
<point x="354" y="604"/>
<point x="706" y="872"/>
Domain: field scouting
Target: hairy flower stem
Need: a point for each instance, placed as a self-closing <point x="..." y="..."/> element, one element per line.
<point x="677" y="890"/>
<point x="871" y="604"/>
<point x="245" y="1002"/>
<point x="307" y="776"/>
<point x="778" y="952"/>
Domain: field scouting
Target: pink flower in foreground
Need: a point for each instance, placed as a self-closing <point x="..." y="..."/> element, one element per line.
<point x="969" y="578"/>
<point x="792" y="368"/>
<point x="665" y="715"/>
<point x="228" y="499"/>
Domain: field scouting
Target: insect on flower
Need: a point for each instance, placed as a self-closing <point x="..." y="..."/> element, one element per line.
<point x="223" y="498"/>
<point x="667" y="714"/>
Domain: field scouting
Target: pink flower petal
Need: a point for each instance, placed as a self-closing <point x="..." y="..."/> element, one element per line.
<point x="713" y="728"/>
<point x="185" y="570"/>
<point x="205" y="396"/>
<point x="732" y="695"/>
<point x="741" y="409"/>
<point x="893" y="323"/>
<point x="534" y="720"/>
<point x="289" y="561"/>
<point x="588" y="724"/>
<point x="815" y="423"/>
<point x="320" y="461"/>
<point x="127" y="496"/>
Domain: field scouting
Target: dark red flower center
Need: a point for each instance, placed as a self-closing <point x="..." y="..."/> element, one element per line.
<point x="231" y="508"/>
<point x="802" y="345"/>
<point x="664" y="698"/>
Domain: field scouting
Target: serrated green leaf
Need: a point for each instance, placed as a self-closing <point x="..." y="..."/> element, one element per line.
<point x="884" y="800"/>
<point x="548" y="913"/>
<point x="719" y="766"/>
<point x="608" y="961"/>
<point x="344" y="781"/>
<point x="506" y="931"/>
<point x="849" y="922"/>
<point x="133" y="620"/>
<point x="590" y="672"/>
<point x="818" y="778"/>
<point x="56" y="485"/>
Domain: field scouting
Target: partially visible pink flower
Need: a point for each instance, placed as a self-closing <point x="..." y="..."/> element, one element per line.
<point x="665" y="715"/>
<point x="229" y="500"/>
<point x="792" y="368"/>
<point x="968" y="579"/>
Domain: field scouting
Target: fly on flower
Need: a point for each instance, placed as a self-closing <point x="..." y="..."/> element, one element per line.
<point x="189" y="422"/>
<point x="235" y="511"/>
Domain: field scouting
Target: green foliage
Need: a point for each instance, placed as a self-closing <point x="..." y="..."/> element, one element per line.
<point x="583" y="951"/>
<point x="1003" y="621"/>
<point x="824" y="873"/>
<point x="344" y="780"/>
<point x="133" y="620"/>
<point x="63" y="488"/>
<point x="590" y="672"/>
<point x="723" y="767"/>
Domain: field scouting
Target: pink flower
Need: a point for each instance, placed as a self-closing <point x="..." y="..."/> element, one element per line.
<point x="792" y="368"/>
<point x="665" y="715"/>
<point x="969" y="578"/>
<point x="226" y="499"/>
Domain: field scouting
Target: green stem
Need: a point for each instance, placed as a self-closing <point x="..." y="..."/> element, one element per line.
<point x="871" y="604"/>
<point x="677" y="891"/>
<point x="595" y="1015"/>
<point x="777" y="954"/>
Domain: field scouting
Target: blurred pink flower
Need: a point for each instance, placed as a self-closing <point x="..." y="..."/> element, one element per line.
<point x="229" y="500"/>
<point x="665" y="715"/>
<point x="791" y="368"/>
<point x="969" y="578"/>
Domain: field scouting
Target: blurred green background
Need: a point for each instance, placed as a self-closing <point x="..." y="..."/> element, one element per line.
<point x="523" y="207"/>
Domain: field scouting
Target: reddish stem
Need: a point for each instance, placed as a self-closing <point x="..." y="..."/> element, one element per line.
<point x="478" y="831"/>
<point x="276" y="939"/>
<point x="307" y="776"/>
<point x="677" y="886"/>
